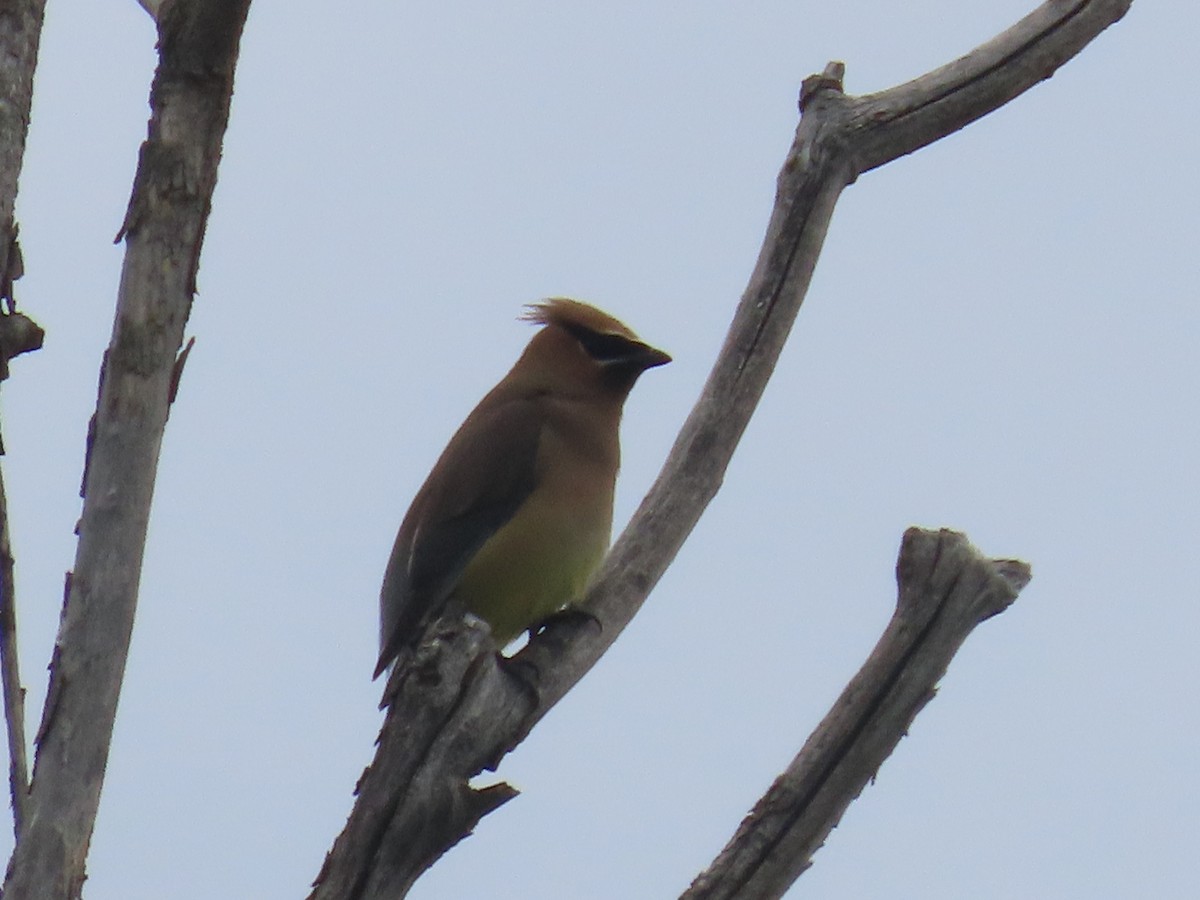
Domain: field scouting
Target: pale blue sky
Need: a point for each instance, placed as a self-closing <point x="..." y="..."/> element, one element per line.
<point x="1000" y="338"/>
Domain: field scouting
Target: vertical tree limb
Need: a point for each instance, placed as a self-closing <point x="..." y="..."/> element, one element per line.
<point x="163" y="231"/>
<point x="10" y="669"/>
<point x="20" y="36"/>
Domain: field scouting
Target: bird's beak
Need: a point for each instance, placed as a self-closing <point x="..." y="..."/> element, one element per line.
<point x="648" y="357"/>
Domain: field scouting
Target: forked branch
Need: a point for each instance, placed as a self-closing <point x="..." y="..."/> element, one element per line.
<point x="457" y="711"/>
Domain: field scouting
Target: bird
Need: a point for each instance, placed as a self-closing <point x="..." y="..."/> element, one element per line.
<point x="516" y="514"/>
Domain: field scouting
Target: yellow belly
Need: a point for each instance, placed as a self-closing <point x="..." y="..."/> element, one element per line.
<point x="536" y="564"/>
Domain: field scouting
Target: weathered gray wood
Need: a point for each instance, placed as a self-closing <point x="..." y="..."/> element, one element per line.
<point x="20" y="35"/>
<point x="394" y="835"/>
<point x="946" y="588"/>
<point x="838" y="137"/>
<point x="14" y="693"/>
<point x="163" y="230"/>
<point x="897" y="121"/>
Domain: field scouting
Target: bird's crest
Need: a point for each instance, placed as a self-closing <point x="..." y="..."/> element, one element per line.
<point x="572" y="314"/>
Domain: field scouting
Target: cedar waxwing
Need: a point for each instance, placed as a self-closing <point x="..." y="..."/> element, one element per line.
<point x="517" y="512"/>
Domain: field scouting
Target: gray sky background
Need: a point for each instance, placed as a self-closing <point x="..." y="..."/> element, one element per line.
<point x="1000" y="339"/>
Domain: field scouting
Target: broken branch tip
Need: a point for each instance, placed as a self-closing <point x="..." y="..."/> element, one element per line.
<point x="829" y="80"/>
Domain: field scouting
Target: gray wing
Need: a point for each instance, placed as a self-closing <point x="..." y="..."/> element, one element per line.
<point x="481" y="479"/>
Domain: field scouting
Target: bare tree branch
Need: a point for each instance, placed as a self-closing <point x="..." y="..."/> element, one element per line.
<point x="946" y="588"/>
<point x="905" y="118"/>
<point x="20" y="36"/>
<point x="164" y="230"/>
<point x="454" y="709"/>
<point x="14" y="693"/>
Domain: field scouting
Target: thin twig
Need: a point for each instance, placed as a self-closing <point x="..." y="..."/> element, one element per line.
<point x="14" y="694"/>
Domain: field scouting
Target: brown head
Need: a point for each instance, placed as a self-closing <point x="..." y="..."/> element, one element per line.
<point x="583" y="351"/>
